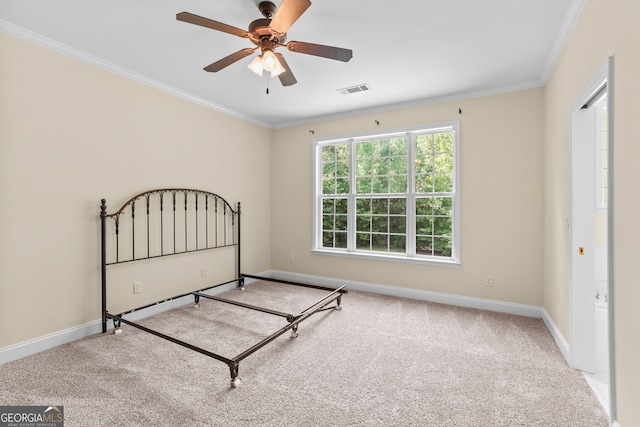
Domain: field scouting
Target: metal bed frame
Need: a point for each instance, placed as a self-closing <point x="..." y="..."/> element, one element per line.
<point x="210" y="223"/>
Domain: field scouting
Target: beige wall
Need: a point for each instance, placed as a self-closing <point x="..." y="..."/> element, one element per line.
<point x="71" y="134"/>
<point x="627" y="208"/>
<point x="583" y="55"/>
<point x="501" y="200"/>
<point x="605" y="28"/>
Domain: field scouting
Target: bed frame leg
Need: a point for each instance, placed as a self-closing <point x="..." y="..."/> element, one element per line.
<point x="196" y="303"/>
<point x="234" y="368"/>
<point x="241" y="284"/>
<point x="294" y="331"/>
<point x="116" y="325"/>
<point x="338" y="302"/>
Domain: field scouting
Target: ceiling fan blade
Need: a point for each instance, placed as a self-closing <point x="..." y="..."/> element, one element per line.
<point x="288" y="12"/>
<point x="287" y="78"/>
<point x="330" y="52"/>
<point x="228" y="60"/>
<point x="210" y="23"/>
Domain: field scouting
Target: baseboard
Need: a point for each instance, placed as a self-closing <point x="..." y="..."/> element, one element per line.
<point x="442" y="298"/>
<point x="56" y="339"/>
<point x="557" y="336"/>
<point x="46" y="342"/>
<point x="600" y="395"/>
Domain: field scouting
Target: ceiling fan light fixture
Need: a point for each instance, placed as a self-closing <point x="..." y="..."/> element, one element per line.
<point x="277" y="69"/>
<point x="256" y="65"/>
<point x="266" y="62"/>
<point x="270" y="63"/>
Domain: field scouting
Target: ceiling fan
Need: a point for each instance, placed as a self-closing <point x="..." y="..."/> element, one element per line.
<point x="268" y="33"/>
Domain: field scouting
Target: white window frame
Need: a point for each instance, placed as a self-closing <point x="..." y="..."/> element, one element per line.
<point x="410" y="256"/>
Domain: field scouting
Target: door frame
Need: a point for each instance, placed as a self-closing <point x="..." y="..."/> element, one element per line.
<point x="604" y="74"/>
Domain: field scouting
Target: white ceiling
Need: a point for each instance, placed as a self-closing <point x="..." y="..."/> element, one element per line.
<point x="410" y="52"/>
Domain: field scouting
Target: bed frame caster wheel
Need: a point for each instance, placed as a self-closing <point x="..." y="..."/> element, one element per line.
<point x="338" y="307"/>
<point x="196" y="305"/>
<point x="235" y="382"/>
<point x="294" y="334"/>
<point x="117" y="331"/>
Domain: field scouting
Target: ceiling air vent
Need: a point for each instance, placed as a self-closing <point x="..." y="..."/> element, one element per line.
<point x="354" y="89"/>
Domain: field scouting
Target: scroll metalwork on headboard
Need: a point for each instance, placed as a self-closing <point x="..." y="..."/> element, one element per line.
<point x="166" y="222"/>
<point x="173" y="221"/>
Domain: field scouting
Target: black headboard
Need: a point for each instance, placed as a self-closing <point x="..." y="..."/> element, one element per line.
<point x="164" y="222"/>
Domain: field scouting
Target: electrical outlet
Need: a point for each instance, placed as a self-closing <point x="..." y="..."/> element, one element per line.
<point x="488" y="281"/>
<point x="137" y="287"/>
<point x="203" y="272"/>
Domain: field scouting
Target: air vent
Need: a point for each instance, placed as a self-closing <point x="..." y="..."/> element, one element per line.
<point x="354" y="89"/>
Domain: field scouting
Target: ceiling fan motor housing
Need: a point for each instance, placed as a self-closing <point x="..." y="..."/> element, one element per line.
<point x="267" y="8"/>
<point x="259" y="30"/>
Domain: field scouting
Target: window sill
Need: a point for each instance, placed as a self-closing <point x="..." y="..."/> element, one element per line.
<point x="389" y="258"/>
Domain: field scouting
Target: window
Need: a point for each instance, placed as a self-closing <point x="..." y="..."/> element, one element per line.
<point x="393" y="196"/>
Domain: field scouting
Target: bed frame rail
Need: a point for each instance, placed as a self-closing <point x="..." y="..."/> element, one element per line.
<point x="323" y="304"/>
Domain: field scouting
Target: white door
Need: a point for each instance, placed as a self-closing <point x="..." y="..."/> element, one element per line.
<point x="583" y="201"/>
<point x="591" y="339"/>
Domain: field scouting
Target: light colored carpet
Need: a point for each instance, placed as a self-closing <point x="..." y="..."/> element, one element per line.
<point x="381" y="361"/>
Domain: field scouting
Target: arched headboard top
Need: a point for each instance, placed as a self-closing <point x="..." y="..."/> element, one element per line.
<point x="168" y="221"/>
<point x="173" y="191"/>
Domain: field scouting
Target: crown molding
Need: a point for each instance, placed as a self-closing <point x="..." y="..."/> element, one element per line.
<point x="570" y="20"/>
<point x="415" y="104"/>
